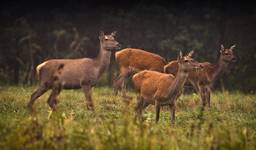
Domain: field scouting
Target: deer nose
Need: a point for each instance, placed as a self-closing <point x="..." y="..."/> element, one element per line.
<point x="201" y="66"/>
<point x="118" y="45"/>
<point x="234" y="59"/>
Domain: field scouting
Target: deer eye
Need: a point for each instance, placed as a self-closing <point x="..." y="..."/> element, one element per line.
<point x="185" y="60"/>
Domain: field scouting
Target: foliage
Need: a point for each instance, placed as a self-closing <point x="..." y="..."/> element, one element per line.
<point x="162" y="29"/>
<point x="229" y="124"/>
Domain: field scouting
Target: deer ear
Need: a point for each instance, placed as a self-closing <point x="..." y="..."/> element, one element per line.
<point x="232" y="47"/>
<point x="113" y="33"/>
<point x="222" y="48"/>
<point x="101" y="35"/>
<point x="190" y="53"/>
<point x="179" y="56"/>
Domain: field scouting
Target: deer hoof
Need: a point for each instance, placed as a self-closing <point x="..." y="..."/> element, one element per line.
<point x="173" y="124"/>
<point x="30" y="108"/>
<point x="90" y="107"/>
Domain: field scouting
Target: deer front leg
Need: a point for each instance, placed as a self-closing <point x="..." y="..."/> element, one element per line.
<point x="157" y="107"/>
<point x="88" y="96"/>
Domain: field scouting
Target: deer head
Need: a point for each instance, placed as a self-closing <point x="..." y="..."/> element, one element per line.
<point x="227" y="55"/>
<point x="108" y="42"/>
<point x="187" y="63"/>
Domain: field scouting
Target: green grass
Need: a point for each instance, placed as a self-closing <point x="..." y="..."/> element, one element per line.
<point x="229" y="124"/>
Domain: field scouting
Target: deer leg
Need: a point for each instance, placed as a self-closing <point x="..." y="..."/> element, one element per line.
<point x="117" y="84"/>
<point x="203" y="91"/>
<point x="123" y="86"/>
<point x="139" y="103"/>
<point x="36" y="94"/>
<point x="52" y="100"/>
<point x="88" y="96"/>
<point x="120" y="81"/>
<point x="172" y="111"/>
<point x="123" y="77"/>
<point x="195" y="86"/>
<point x="208" y="97"/>
<point x="145" y="105"/>
<point x="139" y="107"/>
<point x="157" y="107"/>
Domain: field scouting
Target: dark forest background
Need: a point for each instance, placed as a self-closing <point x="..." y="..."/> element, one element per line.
<point x="32" y="32"/>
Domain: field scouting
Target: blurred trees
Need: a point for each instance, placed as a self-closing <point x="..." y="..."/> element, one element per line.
<point x="28" y="40"/>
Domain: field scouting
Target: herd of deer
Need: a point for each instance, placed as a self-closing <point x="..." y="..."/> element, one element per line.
<point x="156" y="81"/>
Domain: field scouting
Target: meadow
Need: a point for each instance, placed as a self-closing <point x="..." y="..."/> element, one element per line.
<point x="229" y="124"/>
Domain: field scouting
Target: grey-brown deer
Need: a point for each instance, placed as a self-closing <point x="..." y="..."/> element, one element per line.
<point x="162" y="89"/>
<point x="203" y="81"/>
<point x="135" y="60"/>
<point x="57" y="74"/>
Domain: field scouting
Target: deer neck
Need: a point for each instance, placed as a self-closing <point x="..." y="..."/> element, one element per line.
<point x="103" y="59"/>
<point x="178" y="84"/>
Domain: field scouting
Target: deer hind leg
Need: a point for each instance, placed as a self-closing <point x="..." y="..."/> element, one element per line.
<point x="52" y="100"/>
<point x="157" y="107"/>
<point x="172" y="111"/>
<point x="120" y="82"/>
<point x="208" y="97"/>
<point x="195" y="86"/>
<point x="117" y="84"/>
<point x="138" y="108"/>
<point x="203" y="93"/>
<point x="141" y="105"/>
<point x="88" y="96"/>
<point x="36" y="94"/>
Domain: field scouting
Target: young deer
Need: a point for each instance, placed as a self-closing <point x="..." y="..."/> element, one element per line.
<point x="204" y="80"/>
<point x="57" y="74"/>
<point x="162" y="89"/>
<point x="134" y="60"/>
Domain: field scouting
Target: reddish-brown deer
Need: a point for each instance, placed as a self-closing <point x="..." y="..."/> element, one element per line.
<point x="57" y="74"/>
<point x="134" y="60"/>
<point x="162" y="89"/>
<point x="203" y="80"/>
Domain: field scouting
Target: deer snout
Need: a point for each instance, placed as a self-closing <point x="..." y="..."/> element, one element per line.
<point x="234" y="59"/>
<point x="118" y="45"/>
<point x="201" y="66"/>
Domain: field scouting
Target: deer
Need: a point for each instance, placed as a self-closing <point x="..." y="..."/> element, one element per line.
<point x="80" y="73"/>
<point x="203" y="81"/>
<point x="132" y="60"/>
<point x="162" y="89"/>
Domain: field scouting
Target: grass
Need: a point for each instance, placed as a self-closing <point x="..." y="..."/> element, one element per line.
<point x="229" y="124"/>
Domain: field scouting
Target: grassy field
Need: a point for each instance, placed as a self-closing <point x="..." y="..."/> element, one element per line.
<point x="229" y="124"/>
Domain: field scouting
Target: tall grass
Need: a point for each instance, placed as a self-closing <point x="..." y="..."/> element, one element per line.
<point x="229" y="124"/>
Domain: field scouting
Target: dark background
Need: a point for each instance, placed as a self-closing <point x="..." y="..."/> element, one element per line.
<point x="31" y="32"/>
